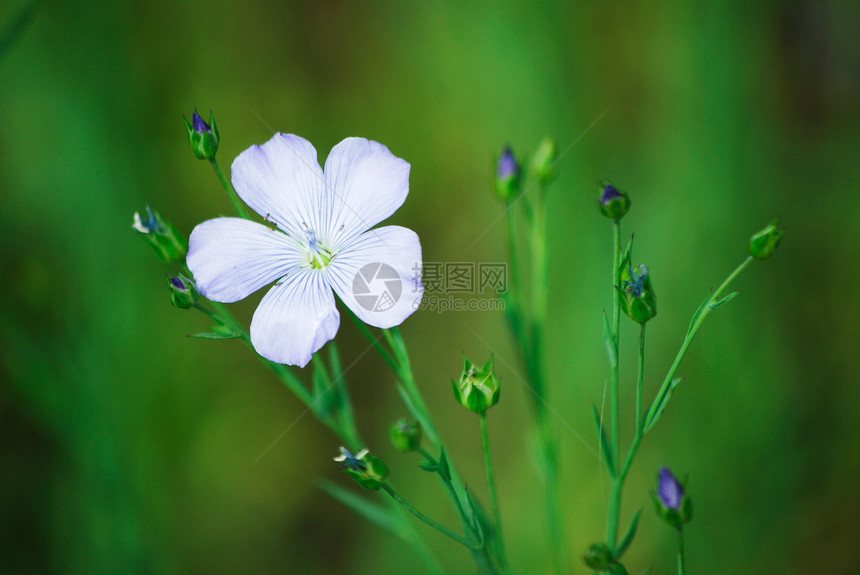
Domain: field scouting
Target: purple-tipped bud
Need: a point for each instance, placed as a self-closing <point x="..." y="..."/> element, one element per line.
<point x="671" y="492"/>
<point x="672" y="502"/>
<point x="508" y="172"/>
<point x="613" y="203"/>
<point x="183" y="293"/>
<point x="203" y="137"/>
<point x="508" y="164"/>
<point x="161" y="235"/>
<point x="199" y="124"/>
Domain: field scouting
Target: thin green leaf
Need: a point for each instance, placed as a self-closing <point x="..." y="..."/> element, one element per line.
<point x="717" y="304"/>
<point x="662" y="406"/>
<point x="628" y="538"/>
<point x="218" y="332"/>
<point x="444" y="468"/>
<point x="430" y="466"/>
<point x="325" y="395"/>
<point x="371" y="511"/>
<point x="608" y="454"/>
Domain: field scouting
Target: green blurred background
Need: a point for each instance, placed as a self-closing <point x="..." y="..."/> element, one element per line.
<point x="127" y="447"/>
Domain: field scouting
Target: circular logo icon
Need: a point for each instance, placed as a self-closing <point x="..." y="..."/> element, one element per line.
<point x="377" y="287"/>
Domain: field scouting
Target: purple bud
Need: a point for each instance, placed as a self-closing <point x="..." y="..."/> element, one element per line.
<point x="178" y="283"/>
<point x="670" y="491"/>
<point x="610" y="192"/>
<point x="200" y="126"/>
<point x="507" y="164"/>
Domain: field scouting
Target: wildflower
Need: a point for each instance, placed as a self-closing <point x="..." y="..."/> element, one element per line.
<point x="405" y="434"/>
<point x="508" y="172"/>
<point x="671" y="501"/>
<point x="479" y="387"/>
<point x="204" y="138"/>
<point x="318" y="239"/>
<point x="764" y="243"/>
<point x="613" y="203"/>
<point x="369" y="471"/>
<point x="161" y="235"/>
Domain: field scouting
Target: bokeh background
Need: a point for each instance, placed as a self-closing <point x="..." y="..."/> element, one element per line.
<point x="127" y="447"/>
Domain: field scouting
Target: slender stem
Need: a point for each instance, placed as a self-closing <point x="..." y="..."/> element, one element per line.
<point x="491" y="484"/>
<point x="640" y="378"/>
<point x="681" y="557"/>
<point x="440" y="528"/>
<point x="615" y="496"/>
<point x="234" y="197"/>
<point x="449" y="486"/>
<point x="514" y="294"/>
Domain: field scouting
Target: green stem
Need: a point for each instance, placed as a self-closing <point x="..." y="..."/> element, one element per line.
<point x="514" y="294"/>
<point x="440" y="528"/>
<point x="234" y="197"/>
<point x="681" y="557"/>
<point x="450" y="487"/>
<point x="491" y="484"/>
<point x="615" y="496"/>
<point x="640" y="378"/>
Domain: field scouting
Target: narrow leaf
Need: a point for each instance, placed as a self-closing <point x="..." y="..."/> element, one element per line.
<point x="628" y="538"/>
<point x="430" y="466"/>
<point x="218" y="332"/>
<point x="444" y="468"/>
<point x="717" y="304"/>
<point x="663" y="403"/>
<point x="373" y="512"/>
<point x="608" y="454"/>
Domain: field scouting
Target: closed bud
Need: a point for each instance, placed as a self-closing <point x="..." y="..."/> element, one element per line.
<point x="613" y="203"/>
<point x="478" y="388"/>
<point x="368" y="471"/>
<point x="599" y="557"/>
<point x="637" y="295"/>
<point x="405" y="435"/>
<point x="204" y="138"/>
<point x="169" y="244"/>
<point x="671" y="501"/>
<point x="508" y="175"/>
<point x="183" y="292"/>
<point x="543" y="161"/>
<point x="763" y="244"/>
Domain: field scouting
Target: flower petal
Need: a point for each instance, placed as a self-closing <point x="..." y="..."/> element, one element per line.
<point x="368" y="183"/>
<point x="379" y="276"/>
<point x="232" y="258"/>
<point x="282" y="181"/>
<point x="295" y="319"/>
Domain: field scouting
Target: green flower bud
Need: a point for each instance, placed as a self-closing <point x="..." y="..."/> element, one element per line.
<point x="368" y="471"/>
<point x="204" y="138"/>
<point x="613" y="203"/>
<point x="508" y="175"/>
<point x="599" y="557"/>
<point x="637" y="295"/>
<point x="183" y="292"/>
<point x="763" y="244"/>
<point x="405" y="435"/>
<point x="478" y="388"/>
<point x="671" y="501"/>
<point x="543" y="161"/>
<point x="170" y="246"/>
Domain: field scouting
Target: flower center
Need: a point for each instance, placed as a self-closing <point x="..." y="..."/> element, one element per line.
<point x="318" y="256"/>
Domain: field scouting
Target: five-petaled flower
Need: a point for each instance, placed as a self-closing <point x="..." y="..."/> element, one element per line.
<point x="319" y="239"/>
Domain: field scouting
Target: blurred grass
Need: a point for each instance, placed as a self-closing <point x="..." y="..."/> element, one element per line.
<point x="127" y="447"/>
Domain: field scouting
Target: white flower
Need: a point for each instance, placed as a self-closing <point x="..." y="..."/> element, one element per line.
<point x="322" y="242"/>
